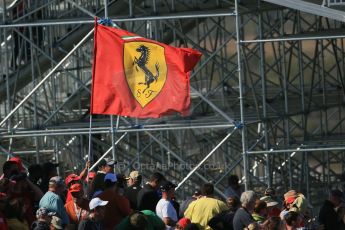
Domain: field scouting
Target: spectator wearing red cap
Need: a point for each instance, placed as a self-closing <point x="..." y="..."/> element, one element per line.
<point x="78" y="208"/>
<point x="19" y="163"/>
<point x="70" y="180"/>
<point x="182" y="224"/>
<point x="74" y="178"/>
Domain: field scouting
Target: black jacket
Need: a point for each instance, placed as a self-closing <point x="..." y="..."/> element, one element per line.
<point x="328" y="217"/>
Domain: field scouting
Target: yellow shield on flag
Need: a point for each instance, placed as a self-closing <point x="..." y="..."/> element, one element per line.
<point x="145" y="70"/>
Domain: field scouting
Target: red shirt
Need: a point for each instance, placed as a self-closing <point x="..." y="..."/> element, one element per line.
<point x="116" y="210"/>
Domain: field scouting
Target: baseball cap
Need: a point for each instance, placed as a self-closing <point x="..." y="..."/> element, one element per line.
<point x="19" y="163"/>
<point x="110" y="176"/>
<point x="71" y="177"/>
<point x="109" y="161"/>
<point x="56" y="222"/>
<point x="167" y="185"/>
<point x="75" y="188"/>
<point x="96" y="202"/>
<point x="270" y="192"/>
<point x="197" y="192"/>
<point x="133" y="175"/>
<point x="41" y="212"/>
<point x="56" y="180"/>
<point x="291" y="193"/>
<point x="183" y="222"/>
<point x="269" y="201"/>
<point x="290" y="199"/>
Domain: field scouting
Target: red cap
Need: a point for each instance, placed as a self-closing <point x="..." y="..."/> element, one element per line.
<point x="75" y="188"/>
<point x="183" y="222"/>
<point x="19" y="163"/>
<point x="70" y="178"/>
<point x="290" y="200"/>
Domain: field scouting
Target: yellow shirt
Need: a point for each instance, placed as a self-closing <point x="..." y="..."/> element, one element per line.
<point x="202" y="210"/>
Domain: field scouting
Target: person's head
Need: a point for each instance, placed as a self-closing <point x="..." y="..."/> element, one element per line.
<point x="260" y="207"/>
<point x="197" y="194"/>
<point x="72" y="179"/>
<point x="110" y="181"/>
<point x="233" y="202"/>
<point x="138" y="221"/>
<point x="19" y="163"/>
<point x="49" y="169"/>
<point x="274" y="223"/>
<point x="270" y="192"/>
<point x="291" y="219"/>
<point x="336" y="197"/>
<point x="97" y="208"/>
<point x="233" y="180"/>
<point x="56" y="185"/>
<point x="182" y="224"/>
<point x="155" y="179"/>
<point x="168" y="189"/>
<point x="109" y="165"/>
<point x="42" y="214"/>
<point x="134" y="178"/>
<point x="9" y="169"/>
<point x="207" y="189"/>
<point x="56" y="223"/>
<point x="77" y="193"/>
<point x="248" y="199"/>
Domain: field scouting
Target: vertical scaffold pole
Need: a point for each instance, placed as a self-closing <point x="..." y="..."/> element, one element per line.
<point x="240" y="82"/>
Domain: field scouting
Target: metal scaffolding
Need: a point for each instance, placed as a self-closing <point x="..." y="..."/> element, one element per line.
<point x="267" y="96"/>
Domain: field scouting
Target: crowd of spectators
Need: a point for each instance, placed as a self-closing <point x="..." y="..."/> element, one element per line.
<point x="39" y="199"/>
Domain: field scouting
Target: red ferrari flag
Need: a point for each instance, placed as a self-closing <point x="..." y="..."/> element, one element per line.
<point x="137" y="77"/>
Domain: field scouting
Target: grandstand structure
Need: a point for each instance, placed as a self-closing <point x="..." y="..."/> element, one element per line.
<point x="267" y="97"/>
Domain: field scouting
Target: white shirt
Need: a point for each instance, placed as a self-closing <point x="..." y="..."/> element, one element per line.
<point x="165" y="209"/>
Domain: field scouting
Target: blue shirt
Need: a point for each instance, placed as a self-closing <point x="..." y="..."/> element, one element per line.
<point x="53" y="203"/>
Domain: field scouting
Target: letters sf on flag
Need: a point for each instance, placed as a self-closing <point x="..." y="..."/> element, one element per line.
<point x="137" y="77"/>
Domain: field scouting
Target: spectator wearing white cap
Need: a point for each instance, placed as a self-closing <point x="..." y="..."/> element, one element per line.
<point x="118" y="207"/>
<point x="131" y="192"/>
<point x="52" y="201"/>
<point x="97" y="212"/>
<point x="43" y="219"/>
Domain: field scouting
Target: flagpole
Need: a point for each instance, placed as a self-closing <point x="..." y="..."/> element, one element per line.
<point x="111" y="116"/>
